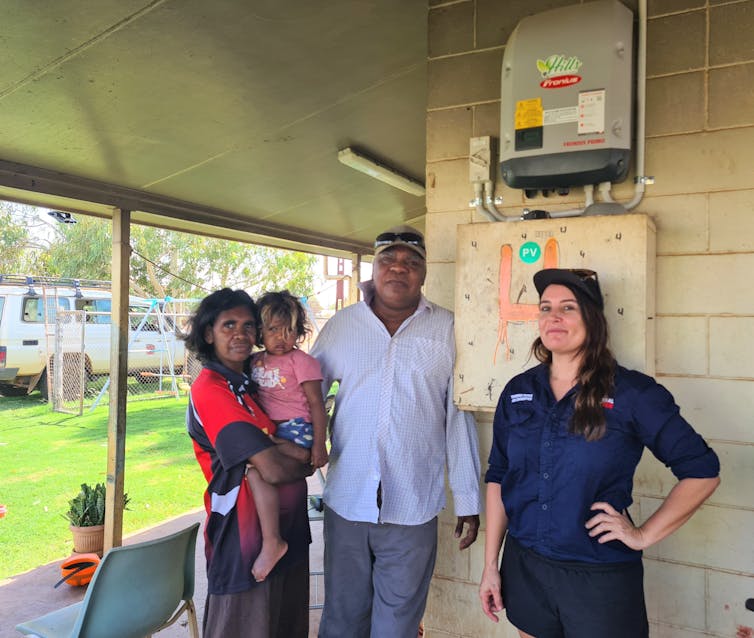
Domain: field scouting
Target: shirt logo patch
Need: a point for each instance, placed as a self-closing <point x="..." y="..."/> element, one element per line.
<point x="608" y="403"/>
<point x="515" y="398"/>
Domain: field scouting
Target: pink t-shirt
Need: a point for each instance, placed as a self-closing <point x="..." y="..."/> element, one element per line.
<point x="279" y="378"/>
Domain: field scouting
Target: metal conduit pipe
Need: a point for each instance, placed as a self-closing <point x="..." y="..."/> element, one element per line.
<point x="641" y="117"/>
<point x="478" y="202"/>
<point x="588" y="195"/>
<point x="489" y="203"/>
<point x="604" y="191"/>
<point x="641" y="108"/>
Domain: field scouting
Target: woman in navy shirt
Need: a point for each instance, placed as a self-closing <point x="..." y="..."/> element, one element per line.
<point x="568" y="435"/>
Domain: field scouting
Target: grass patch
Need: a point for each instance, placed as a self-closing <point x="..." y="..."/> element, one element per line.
<point x="45" y="456"/>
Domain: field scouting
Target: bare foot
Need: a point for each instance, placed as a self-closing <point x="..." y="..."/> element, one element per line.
<point x="272" y="552"/>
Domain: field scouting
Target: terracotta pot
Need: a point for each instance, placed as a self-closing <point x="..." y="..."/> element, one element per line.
<point x="88" y="540"/>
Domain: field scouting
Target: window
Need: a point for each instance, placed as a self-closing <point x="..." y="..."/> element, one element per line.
<point x="33" y="309"/>
<point x="103" y="308"/>
<point x="98" y="310"/>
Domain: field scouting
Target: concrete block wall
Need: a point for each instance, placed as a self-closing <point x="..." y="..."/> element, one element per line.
<point x="700" y="149"/>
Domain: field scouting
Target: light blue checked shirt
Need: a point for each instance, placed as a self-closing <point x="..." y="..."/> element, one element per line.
<point x="395" y="421"/>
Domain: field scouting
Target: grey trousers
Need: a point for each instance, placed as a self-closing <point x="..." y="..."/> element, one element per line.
<point x="376" y="577"/>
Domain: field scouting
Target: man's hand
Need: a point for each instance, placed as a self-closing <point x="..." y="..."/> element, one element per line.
<point x="473" y="523"/>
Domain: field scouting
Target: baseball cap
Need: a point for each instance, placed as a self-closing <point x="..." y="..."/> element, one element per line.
<point x="581" y="279"/>
<point x="406" y="236"/>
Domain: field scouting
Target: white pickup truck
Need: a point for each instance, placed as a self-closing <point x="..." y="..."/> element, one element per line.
<point x="28" y="336"/>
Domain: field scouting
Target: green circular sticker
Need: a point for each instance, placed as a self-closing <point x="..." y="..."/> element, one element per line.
<point x="529" y="252"/>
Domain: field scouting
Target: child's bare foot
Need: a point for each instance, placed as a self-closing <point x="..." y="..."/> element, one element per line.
<point x="272" y="552"/>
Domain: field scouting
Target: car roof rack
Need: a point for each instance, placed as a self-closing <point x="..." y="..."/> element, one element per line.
<point x="68" y="282"/>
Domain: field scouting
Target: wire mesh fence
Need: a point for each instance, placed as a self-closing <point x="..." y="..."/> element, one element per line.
<point x="158" y="364"/>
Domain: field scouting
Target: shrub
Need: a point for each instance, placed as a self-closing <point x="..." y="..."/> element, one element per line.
<point x="87" y="508"/>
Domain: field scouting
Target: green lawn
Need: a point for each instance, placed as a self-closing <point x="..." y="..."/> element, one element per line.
<point x="45" y="456"/>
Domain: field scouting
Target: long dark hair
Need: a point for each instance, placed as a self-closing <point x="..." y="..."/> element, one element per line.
<point x="596" y="373"/>
<point x="206" y="315"/>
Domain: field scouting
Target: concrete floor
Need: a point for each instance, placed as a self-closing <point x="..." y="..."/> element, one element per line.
<point x="31" y="594"/>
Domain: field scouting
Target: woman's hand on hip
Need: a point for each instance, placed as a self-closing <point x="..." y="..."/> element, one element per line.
<point x="612" y="525"/>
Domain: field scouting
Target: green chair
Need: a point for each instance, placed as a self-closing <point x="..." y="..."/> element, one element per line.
<point x="137" y="590"/>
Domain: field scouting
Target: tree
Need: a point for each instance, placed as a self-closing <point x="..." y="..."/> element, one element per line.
<point x="23" y="239"/>
<point x="179" y="265"/>
<point x="81" y="250"/>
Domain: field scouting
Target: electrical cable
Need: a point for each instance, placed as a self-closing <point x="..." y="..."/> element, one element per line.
<point x="191" y="283"/>
<point x="165" y="270"/>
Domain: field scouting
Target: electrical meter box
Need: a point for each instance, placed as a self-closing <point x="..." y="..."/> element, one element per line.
<point x="497" y="306"/>
<point x="566" y="104"/>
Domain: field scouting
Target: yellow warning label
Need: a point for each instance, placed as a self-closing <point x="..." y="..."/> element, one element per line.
<point x="529" y="113"/>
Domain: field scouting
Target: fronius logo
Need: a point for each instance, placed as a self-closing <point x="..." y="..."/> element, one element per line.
<point x="558" y="71"/>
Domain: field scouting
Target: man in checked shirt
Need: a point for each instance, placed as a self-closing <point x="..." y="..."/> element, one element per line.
<point x="395" y="432"/>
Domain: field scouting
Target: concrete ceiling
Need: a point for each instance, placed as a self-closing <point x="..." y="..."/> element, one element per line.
<point x="216" y="116"/>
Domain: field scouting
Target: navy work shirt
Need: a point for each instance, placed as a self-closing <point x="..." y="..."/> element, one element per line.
<point x="550" y="478"/>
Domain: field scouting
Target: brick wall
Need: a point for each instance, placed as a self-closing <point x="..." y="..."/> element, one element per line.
<point x="700" y="149"/>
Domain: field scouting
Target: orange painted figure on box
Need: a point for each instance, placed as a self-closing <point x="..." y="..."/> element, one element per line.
<point x="509" y="311"/>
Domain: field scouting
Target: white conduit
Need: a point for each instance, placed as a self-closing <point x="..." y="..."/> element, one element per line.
<point x="478" y="202"/>
<point x="641" y="116"/>
<point x="641" y="109"/>
<point x="489" y="203"/>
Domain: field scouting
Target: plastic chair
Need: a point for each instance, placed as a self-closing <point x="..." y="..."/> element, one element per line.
<point x="134" y="593"/>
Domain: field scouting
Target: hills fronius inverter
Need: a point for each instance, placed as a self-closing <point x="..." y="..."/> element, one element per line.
<point x="567" y="97"/>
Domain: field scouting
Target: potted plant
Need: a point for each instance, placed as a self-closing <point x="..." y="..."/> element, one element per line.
<point x="86" y="515"/>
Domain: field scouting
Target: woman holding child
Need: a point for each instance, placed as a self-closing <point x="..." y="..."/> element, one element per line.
<point x="230" y="435"/>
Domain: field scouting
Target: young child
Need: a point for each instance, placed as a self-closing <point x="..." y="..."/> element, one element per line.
<point x="290" y="391"/>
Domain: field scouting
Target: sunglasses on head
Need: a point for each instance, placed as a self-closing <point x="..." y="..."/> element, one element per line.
<point x="584" y="273"/>
<point x="412" y="239"/>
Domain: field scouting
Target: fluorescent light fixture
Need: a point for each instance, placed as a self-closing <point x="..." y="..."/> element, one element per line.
<point x="351" y="158"/>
